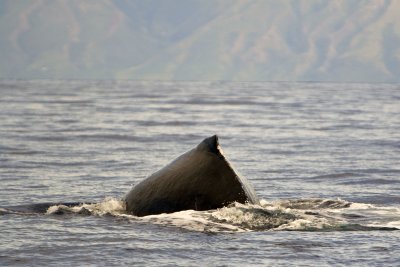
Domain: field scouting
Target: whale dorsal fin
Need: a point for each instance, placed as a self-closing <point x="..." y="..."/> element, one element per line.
<point x="211" y="144"/>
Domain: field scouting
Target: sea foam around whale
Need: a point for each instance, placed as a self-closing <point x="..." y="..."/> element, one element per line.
<point x="283" y="215"/>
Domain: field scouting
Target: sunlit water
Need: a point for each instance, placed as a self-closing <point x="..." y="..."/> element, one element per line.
<point x="324" y="159"/>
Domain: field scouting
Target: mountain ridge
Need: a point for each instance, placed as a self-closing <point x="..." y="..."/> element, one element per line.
<point x="304" y="40"/>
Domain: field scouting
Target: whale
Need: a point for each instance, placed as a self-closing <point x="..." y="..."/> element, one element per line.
<point x="200" y="179"/>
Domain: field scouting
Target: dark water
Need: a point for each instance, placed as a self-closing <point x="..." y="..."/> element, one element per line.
<point x="323" y="157"/>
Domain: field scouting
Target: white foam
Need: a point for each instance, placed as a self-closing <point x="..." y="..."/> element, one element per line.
<point x="395" y="224"/>
<point x="108" y="206"/>
<point x="299" y="224"/>
<point x="53" y="209"/>
<point x="361" y="206"/>
<point x="190" y="220"/>
<point x="301" y="214"/>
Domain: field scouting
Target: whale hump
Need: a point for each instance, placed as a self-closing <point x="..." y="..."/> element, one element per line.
<point x="200" y="179"/>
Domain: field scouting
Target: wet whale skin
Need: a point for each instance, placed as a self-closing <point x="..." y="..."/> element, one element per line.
<point x="200" y="179"/>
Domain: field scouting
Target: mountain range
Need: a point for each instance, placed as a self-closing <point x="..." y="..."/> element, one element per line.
<point x="235" y="40"/>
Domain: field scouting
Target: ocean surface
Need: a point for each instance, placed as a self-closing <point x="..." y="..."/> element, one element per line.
<point x="323" y="157"/>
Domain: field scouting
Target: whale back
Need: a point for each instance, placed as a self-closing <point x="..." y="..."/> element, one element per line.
<point x="200" y="179"/>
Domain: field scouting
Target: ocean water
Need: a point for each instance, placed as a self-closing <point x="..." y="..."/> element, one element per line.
<point x="323" y="157"/>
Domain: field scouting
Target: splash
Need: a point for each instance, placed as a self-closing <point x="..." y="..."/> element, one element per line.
<point x="193" y="221"/>
<point x="109" y="206"/>
<point x="283" y="215"/>
<point x="252" y="217"/>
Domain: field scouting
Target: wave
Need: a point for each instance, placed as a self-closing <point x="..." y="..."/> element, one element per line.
<point x="283" y="215"/>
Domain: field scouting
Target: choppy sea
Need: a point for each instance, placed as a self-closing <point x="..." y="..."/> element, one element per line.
<point x="323" y="157"/>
